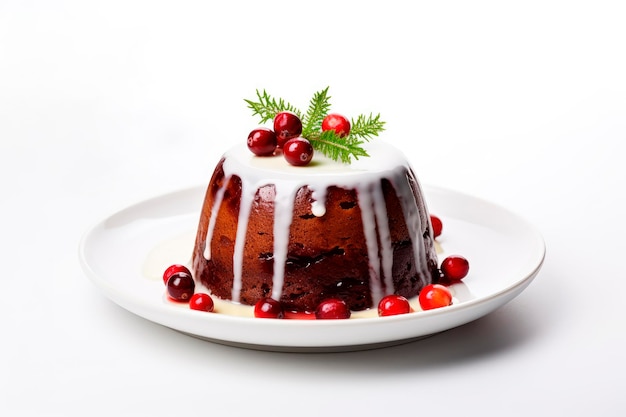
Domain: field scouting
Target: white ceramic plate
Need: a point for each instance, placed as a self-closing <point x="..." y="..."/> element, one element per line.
<point x="125" y="254"/>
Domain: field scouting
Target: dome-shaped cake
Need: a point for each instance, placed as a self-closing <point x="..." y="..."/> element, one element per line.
<point x="300" y="235"/>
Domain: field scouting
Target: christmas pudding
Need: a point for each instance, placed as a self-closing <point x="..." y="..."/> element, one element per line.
<point x="349" y="224"/>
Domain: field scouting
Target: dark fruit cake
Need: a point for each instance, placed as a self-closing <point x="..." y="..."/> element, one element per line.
<point x="304" y="234"/>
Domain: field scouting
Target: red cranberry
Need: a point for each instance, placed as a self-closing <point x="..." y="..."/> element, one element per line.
<point x="437" y="225"/>
<point x="173" y="269"/>
<point x="332" y="308"/>
<point x="201" y="302"/>
<point x="262" y="141"/>
<point x="298" y="151"/>
<point x="340" y="124"/>
<point x="434" y="296"/>
<point x="180" y="286"/>
<point x="454" y="267"/>
<point x="268" y="308"/>
<point x="287" y="125"/>
<point x="393" y="304"/>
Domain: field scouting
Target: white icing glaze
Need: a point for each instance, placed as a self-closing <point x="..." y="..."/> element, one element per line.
<point x="363" y="175"/>
<point x="218" y="202"/>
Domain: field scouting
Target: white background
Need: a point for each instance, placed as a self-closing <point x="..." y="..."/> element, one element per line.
<point x="104" y="103"/>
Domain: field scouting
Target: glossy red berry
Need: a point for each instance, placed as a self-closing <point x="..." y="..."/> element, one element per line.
<point x="287" y="125"/>
<point x="298" y="151"/>
<point x="201" y="302"/>
<point x="173" y="269"/>
<point x="262" y="141"/>
<point x="340" y="124"/>
<point x="437" y="225"/>
<point x="180" y="286"/>
<point x="393" y="304"/>
<point x="434" y="296"/>
<point x="332" y="308"/>
<point x="268" y="308"/>
<point x="454" y="267"/>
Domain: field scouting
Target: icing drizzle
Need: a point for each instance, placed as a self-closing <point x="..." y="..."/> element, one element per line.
<point x="362" y="175"/>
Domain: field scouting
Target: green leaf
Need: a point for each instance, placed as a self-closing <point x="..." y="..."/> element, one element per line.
<point x="343" y="149"/>
<point x="366" y="126"/>
<point x="267" y="107"/>
<point x="318" y="109"/>
<point x="335" y="147"/>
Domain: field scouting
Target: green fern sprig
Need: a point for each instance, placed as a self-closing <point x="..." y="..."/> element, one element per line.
<point x="318" y="109"/>
<point x="267" y="107"/>
<point x="366" y="126"/>
<point x="338" y="148"/>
